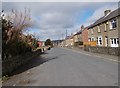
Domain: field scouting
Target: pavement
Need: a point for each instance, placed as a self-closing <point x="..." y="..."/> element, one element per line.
<point x="66" y="67"/>
<point x="103" y="56"/>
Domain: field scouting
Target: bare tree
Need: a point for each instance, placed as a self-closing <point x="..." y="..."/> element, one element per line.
<point x="20" y="20"/>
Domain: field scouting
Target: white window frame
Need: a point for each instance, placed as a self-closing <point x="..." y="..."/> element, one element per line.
<point x="99" y="30"/>
<point x="106" y="26"/>
<point x="92" y="31"/>
<point x="112" y="23"/>
<point x="98" y="42"/>
<point x="92" y="38"/>
<point x="118" y="41"/>
<point x="89" y="39"/>
<point x="114" y="42"/>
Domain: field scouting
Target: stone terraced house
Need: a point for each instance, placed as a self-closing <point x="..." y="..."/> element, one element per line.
<point x="105" y="30"/>
<point x="77" y="37"/>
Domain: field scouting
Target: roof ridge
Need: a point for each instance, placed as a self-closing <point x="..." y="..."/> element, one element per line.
<point x="102" y="19"/>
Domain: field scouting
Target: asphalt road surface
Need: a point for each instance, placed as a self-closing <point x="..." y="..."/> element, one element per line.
<point x="64" y="67"/>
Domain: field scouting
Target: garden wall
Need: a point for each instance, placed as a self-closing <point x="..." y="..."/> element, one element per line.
<point x="103" y="50"/>
<point x="9" y="65"/>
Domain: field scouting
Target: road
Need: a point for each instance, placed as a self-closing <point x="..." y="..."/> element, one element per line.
<point x="65" y="67"/>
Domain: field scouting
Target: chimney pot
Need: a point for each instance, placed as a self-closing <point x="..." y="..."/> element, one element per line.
<point x="106" y="12"/>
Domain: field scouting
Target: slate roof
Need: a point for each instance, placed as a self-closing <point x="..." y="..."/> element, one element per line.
<point x="113" y="14"/>
<point x="79" y="32"/>
<point x="67" y="37"/>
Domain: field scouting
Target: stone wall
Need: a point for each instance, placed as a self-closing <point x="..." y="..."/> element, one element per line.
<point x="9" y="65"/>
<point x="104" y="50"/>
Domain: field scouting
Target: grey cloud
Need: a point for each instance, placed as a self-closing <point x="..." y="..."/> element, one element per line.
<point x="53" y="17"/>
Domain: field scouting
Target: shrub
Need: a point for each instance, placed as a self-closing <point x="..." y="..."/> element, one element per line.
<point x="48" y="42"/>
<point x="12" y="28"/>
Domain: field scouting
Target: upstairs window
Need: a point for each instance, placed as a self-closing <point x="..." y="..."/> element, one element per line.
<point x="106" y="26"/>
<point x="113" y="24"/>
<point x="99" y="29"/>
<point x="92" y="31"/>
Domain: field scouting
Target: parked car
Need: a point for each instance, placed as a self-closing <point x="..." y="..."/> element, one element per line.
<point x="48" y="47"/>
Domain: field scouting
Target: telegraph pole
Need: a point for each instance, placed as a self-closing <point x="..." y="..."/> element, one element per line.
<point x="62" y="36"/>
<point x="66" y="32"/>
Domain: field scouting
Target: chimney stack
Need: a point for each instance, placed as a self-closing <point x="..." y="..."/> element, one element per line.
<point x="106" y="12"/>
<point x="82" y="27"/>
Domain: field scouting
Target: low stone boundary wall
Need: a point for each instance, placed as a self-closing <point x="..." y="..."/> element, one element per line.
<point x="97" y="49"/>
<point x="103" y="50"/>
<point x="9" y="65"/>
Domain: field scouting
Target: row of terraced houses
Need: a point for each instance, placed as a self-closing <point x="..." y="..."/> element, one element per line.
<point x="103" y="32"/>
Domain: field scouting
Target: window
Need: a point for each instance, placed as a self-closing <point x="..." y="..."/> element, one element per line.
<point x="99" y="29"/>
<point x="106" y="24"/>
<point x="113" y="24"/>
<point x="117" y="40"/>
<point x="99" y="40"/>
<point x="114" y="42"/>
<point x="92" y="31"/>
<point x="92" y="39"/>
<point x="111" y="40"/>
<point x="89" y="39"/>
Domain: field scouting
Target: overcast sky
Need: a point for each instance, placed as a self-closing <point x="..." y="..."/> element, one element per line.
<point x="52" y="19"/>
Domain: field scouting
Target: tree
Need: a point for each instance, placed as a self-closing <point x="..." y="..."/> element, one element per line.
<point x="48" y="42"/>
<point x="20" y="21"/>
<point x="13" y="25"/>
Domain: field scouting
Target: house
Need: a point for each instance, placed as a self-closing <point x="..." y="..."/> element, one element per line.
<point x="105" y="30"/>
<point x="85" y="36"/>
<point x="78" y="37"/>
<point x="56" y="42"/>
<point x="69" y="41"/>
<point x="40" y="44"/>
<point x="63" y="43"/>
<point x="72" y="39"/>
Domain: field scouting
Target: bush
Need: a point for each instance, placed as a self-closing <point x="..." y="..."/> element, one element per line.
<point x="48" y="42"/>
<point x="14" y="48"/>
<point x="12" y="42"/>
